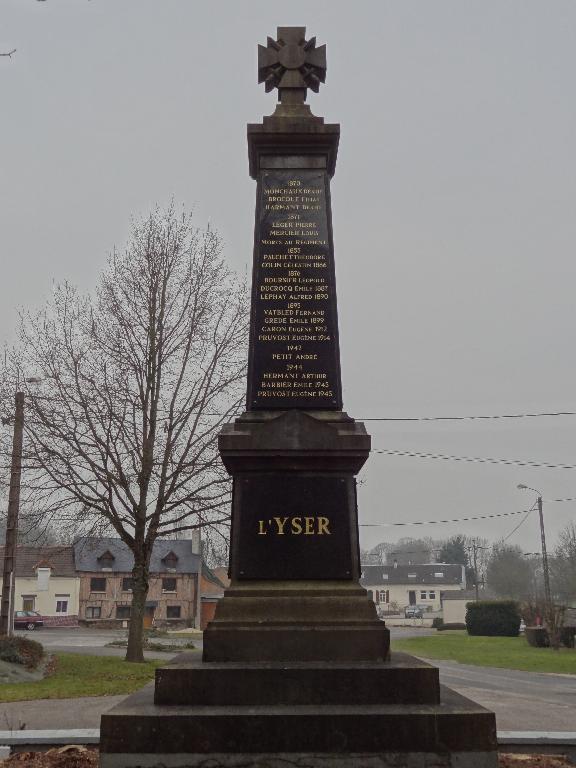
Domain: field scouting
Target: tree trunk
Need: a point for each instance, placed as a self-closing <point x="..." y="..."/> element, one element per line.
<point x="135" y="651"/>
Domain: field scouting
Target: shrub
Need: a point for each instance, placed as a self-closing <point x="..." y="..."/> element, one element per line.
<point x="568" y="637"/>
<point x="452" y="625"/>
<point x="21" y="650"/>
<point x="493" y="618"/>
<point x="537" y="637"/>
<point x="437" y="622"/>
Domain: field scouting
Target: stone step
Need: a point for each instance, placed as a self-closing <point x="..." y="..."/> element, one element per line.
<point x="402" y="680"/>
<point x="346" y="641"/>
<point x="138" y="732"/>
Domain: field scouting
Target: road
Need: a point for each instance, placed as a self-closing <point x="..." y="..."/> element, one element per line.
<point x="525" y="701"/>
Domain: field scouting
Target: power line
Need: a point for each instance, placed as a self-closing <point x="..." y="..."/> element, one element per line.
<point x="474" y="459"/>
<point x="470" y="418"/>
<point x="438" y="522"/>
<point x="528" y="513"/>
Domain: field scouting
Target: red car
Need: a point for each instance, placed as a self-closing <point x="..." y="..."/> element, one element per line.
<point x="27" y="620"/>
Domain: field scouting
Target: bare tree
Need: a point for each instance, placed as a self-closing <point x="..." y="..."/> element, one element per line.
<point x="136" y="383"/>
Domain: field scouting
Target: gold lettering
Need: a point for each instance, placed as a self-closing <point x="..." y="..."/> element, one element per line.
<point x="296" y="525"/>
<point x="280" y="522"/>
<point x="323" y="523"/>
<point x="309" y="530"/>
<point x="261" y="531"/>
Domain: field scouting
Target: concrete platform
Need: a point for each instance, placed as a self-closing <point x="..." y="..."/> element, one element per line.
<point x="403" y="680"/>
<point x="450" y="733"/>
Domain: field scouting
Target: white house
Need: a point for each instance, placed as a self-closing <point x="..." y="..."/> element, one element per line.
<point x="46" y="582"/>
<point x="406" y="585"/>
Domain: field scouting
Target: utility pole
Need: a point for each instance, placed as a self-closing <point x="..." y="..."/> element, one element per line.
<point x="547" y="592"/>
<point x="474" y="553"/>
<point x="9" y="572"/>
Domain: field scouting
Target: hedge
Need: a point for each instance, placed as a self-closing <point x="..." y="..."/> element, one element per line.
<point x="21" y="650"/>
<point x="493" y="618"/>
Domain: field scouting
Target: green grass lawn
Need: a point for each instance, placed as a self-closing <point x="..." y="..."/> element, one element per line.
<point x="505" y="652"/>
<point x="78" y="675"/>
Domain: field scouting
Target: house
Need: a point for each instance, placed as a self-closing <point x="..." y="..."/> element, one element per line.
<point x="454" y="604"/>
<point x="214" y="582"/>
<point x="105" y="569"/>
<point x="397" y="586"/>
<point x="46" y="582"/>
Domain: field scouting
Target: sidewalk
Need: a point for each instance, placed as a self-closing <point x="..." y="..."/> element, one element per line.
<point x="44" y="714"/>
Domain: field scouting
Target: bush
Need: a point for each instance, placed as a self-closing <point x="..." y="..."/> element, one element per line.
<point x="21" y="650"/>
<point x="493" y="618"/>
<point x="537" y="637"/>
<point x="568" y="637"/>
<point x="452" y="625"/>
<point x="437" y="622"/>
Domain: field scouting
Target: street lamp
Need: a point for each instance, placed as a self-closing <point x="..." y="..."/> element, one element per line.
<point x="547" y="594"/>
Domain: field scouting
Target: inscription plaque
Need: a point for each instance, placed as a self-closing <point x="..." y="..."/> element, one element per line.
<point x="294" y="359"/>
<point x="293" y="527"/>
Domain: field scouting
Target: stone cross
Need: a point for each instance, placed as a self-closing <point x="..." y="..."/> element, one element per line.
<point x="292" y="64"/>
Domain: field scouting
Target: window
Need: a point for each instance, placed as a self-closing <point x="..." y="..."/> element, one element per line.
<point x="43" y="576"/>
<point x="439" y="575"/>
<point x="422" y="595"/>
<point x="123" y="611"/>
<point x="370" y="594"/>
<point x="127" y="584"/>
<point x="168" y="585"/>
<point x="28" y="602"/>
<point x="61" y="606"/>
<point x="411" y="575"/>
<point x="384" y="595"/>
<point x="384" y="575"/>
<point x="93" y="612"/>
<point x="173" y="612"/>
<point x="432" y="595"/>
<point x="97" y="584"/>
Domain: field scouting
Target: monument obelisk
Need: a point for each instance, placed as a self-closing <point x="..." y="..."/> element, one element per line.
<point x="296" y="667"/>
<point x="294" y="454"/>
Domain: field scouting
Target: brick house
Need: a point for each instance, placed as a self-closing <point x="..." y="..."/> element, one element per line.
<point x="405" y="585"/>
<point x="214" y="582"/>
<point x="46" y="582"/>
<point x="104" y="566"/>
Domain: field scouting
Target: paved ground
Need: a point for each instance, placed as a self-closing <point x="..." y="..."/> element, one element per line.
<point x="524" y="701"/>
<point x="94" y="642"/>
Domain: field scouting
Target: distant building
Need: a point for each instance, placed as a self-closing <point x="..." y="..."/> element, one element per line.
<point x="214" y="581"/>
<point x="405" y="585"/>
<point x="46" y="582"/>
<point x="454" y="604"/>
<point x="105" y="569"/>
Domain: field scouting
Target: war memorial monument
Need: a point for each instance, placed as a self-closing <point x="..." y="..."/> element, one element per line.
<point x="296" y="667"/>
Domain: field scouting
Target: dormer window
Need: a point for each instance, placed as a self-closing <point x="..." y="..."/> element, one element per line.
<point x="43" y="577"/>
<point x="384" y="575"/>
<point x="170" y="561"/>
<point x="106" y="560"/>
<point x="439" y="575"/>
<point x="411" y="575"/>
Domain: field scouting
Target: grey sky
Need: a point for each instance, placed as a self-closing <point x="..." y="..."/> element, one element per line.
<point x="453" y="202"/>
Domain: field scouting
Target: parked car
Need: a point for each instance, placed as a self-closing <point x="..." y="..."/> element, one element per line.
<point x="413" y="612"/>
<point x="27" y="620"/>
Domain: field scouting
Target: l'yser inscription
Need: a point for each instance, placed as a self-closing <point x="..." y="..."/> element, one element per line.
<point x="294" y="357"/>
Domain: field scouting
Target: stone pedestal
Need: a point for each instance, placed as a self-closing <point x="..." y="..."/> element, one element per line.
<point x="273" y="715"/>
<point x="295" y="594"/>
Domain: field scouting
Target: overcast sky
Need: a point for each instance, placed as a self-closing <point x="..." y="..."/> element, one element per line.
<point x="453" y="204"/>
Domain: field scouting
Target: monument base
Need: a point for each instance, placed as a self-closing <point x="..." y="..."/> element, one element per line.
<point x="296" y="621"/>
<point x="307" y="714"/>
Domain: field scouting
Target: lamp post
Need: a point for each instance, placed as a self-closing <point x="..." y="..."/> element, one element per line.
<point x="547" y="594"/>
